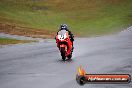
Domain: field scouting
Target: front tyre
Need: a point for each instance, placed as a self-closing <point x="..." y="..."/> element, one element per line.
<point x="63" y="53"/>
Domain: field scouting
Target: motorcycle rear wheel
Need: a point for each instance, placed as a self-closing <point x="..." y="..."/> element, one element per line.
<point x="70" y="56"/>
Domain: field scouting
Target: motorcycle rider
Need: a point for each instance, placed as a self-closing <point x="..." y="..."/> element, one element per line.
<point x="65" y="27"/>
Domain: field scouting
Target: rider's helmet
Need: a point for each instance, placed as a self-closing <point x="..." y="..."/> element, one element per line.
<point x="63" y="27"/>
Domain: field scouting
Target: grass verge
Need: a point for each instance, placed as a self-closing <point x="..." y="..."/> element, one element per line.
<point x="6" y="41"/>
<point x="85" y="17"/>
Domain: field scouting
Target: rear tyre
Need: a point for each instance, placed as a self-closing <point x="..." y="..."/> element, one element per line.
<point x="70" y="56"/>
<point x="63" y="53"/>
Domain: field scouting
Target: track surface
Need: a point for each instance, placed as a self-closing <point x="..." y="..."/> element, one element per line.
<point x="39" y="65"/>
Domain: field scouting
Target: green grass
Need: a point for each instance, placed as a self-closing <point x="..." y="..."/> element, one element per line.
<point x="85" y="17"/>
<point x="5" y="41"/>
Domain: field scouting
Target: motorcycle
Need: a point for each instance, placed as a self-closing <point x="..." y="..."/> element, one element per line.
<point x="64" y="44"/>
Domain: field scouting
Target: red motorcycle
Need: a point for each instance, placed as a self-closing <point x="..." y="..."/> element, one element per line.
<point x="64" y="44"/>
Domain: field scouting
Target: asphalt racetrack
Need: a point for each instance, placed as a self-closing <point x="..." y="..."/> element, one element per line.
<point x="39" y="65"/>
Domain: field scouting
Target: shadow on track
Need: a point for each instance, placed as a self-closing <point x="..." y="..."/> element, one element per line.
<point x="66" y="61"/>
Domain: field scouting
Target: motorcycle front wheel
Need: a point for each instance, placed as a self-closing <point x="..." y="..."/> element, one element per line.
<point x="63" y="53"/>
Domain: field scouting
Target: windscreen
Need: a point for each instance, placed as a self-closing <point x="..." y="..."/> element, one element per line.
<point x="62" y="32"/>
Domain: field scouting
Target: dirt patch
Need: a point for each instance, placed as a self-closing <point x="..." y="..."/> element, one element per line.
<point x="25" y="31"/>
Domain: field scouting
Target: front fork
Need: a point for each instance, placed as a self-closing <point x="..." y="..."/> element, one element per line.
<point x="63" y="46"/>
